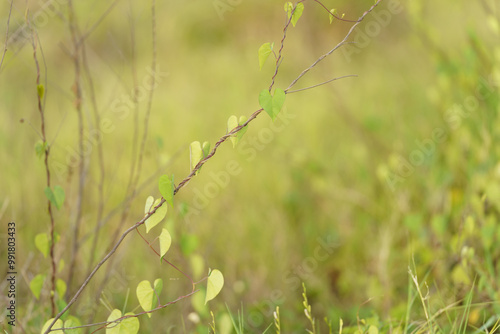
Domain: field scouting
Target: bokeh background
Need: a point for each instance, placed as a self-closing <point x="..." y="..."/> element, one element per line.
<point x="359" y="182"/>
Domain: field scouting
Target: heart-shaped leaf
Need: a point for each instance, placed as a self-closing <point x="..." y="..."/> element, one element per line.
<point x="148" y="298"/>
<point x="58" y="324"/>
<point x="42" y="243"/>
<point x="56" y="196"/>
<point x="145" y="295"/>
<point x="165" y="242"/>
<point x="127" y="326"/>
<point x="264" y="52"/>
<point x="332" y="13"/>
<point x="272" y="104"/>
<point x="40" y="148"/>
<point x="166" y="187"/>
<point x="232" y="123"/>
<point x="61" y="288"/>
<point x="36" y="285"/>
<point x="158" y="286"/>
<point x="149" y="203"/>
<point x="72" y="322"/>
<point x="196" y="153"/>
<point x="215" y="283"/>
<point x="206" y="148"/>
<point x="156" y="217"/>
<point x="296" y="14"/>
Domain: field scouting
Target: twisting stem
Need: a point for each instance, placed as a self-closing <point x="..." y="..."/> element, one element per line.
<point x="279" y="58"/>
<point x="47" y="174"/>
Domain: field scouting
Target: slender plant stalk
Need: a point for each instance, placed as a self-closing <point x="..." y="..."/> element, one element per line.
<point x="343" y="42"/>
<point x="41" y="110"/>
<point x="6" y="34"/>
<point x="77" y="90"/>
<point x="136" y="161"/>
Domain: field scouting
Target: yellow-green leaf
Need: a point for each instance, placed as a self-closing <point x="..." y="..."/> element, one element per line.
<point x="40" y="90"/>
<point x="158" y="286"/>
<point x="36" y="285"/>
<point x="165" y="241"/>
<point x="264" y="52"/>
<point x="72" y="322"/>
<point x="42" y="243"/>
<point x="166" y="187"/>
<point x="126" y="326"/>
<point x="58" y="324"/>
<point x="333" y="12"/>
<point x="296" y="14"/>
<point x="272" y="104"/>
<point x="206" y="148"/>
<point x="197" y="265"/>
<point x="149" y="203"/>
<point x="215" y="283"/>
<point x="61" y="288"/>
<point x="145" y="295"/>
<point x="196" y="153"/>
<point x="56" y="196"/>
<point x="156" y="217"/>
<point x="232" y="123"/>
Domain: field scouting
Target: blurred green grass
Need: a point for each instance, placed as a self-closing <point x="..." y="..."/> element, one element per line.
<point x="322" y="176"/>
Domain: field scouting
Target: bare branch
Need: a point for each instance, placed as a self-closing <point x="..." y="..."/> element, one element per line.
<point x="320" y="84"/>
<point x="336" y="47"/>
<point x="6" y="34"/>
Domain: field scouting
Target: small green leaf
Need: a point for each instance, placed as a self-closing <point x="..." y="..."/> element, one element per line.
<point x="60" y="266"/>
<point x="264" y="52"/>
<point x="156" y="217"/>
<point x="165" y="242"/>
<point x="61" y="288"/>
<point x="196" y="153"/>
<point x="56" y="196"/>
<point x="40" y="148"/>
<point x="149" y="203"/>
<point x="331" y="16"/>
<point x="126" y="326"/>
<point x="206" y="149"/>
<point x="232" y="123"/>
<point x="42" y="243"/>
<point x="197" y="265"/>
<point x="166" y="186"/>
<point x="36" y="285"/>
<point x="272" y="104"/>
<point x="198" y="303"/>
<point x="58" y="324"/>
<point x="189" y="243"/>
<point x="40" y="90"/>
<point x="158" y="286"/>
<point x="145" y="295"/>
<point x="215" y="283"/>
<point x="296" y="14"/>
<point x="72" y="322"/>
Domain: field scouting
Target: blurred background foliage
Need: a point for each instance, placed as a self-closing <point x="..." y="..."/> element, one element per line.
<point x="361" y="180"/>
